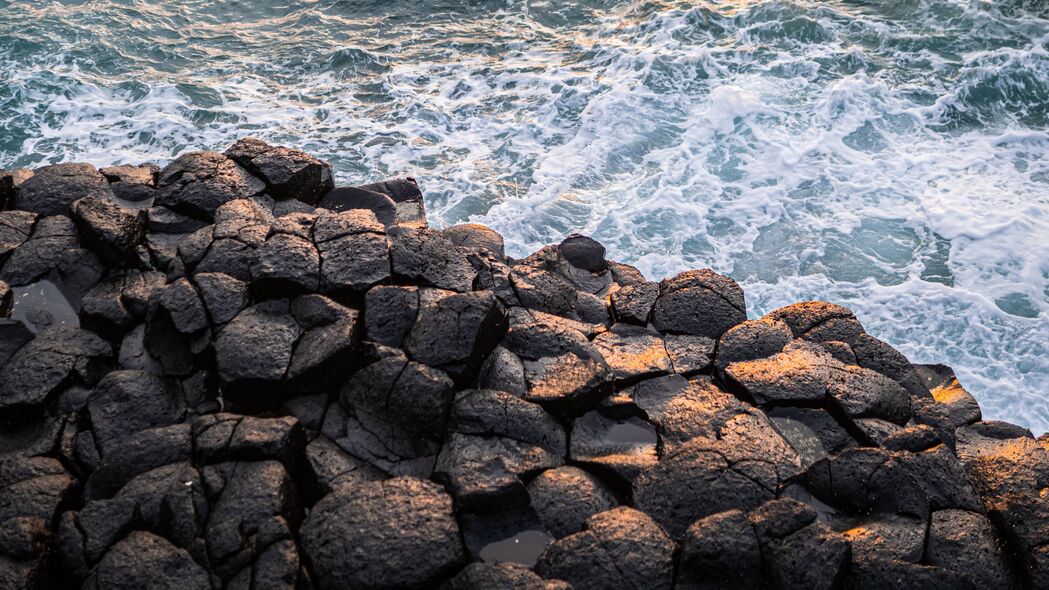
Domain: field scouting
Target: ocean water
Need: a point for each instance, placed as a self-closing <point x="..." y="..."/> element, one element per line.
<point x="889" y="155"/>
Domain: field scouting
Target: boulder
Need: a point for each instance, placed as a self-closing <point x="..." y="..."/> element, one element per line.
<point x="52" y="189"/>
<point x="698" y="302"/>
<point x="198" y="183"/>
<point x="457" y="332"/>
<point x="347" y="197"/>
<point x="565" y="497"/>
<point x="288" y="173"/>
<point x="720" y="551"/>
<point x="583" y="252"/>
<point x="473" y="235"/>
<point x="399" y="533"/>
<point x="109" y="230"/>
<point x="144" y="560"/>
<point x="426" y="258"/>
<point x="620" y="548"/>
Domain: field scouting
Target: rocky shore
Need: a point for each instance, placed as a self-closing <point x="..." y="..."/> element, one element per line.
<point x="229" y="373"/>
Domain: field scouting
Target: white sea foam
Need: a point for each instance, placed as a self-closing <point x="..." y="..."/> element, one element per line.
<point x="889" y="157"/>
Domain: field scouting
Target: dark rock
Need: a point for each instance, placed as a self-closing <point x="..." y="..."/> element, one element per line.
<point x="813" y="432"/>
<point x="390" y="313"/>
<point x="486" y="425"/>
<point x="354" y="251"/>
<point x="325" y="353"/>
<point x="331" y="468"/>
<point x="13" y="336"/>
<point x="15" y="229"/>
<point x="457" y="332"/>
<point x="698" y="302"/>
<point x="742" y="470"/>
<point x="889" y="536"/>
<point x="222" y="295"/>
<point x="885" y="574"/>
<point x="288" y="173"/>
<point x="562" y="369"/>
<point x="486" y="576"/>
<point x="347" y="198"/>
<point x="286" y="264"/>
<point x="108" y="229"/>
<point x="399" y="533"/>
<point x="682" y="410"/>
<point x="624" y="447"/>
<point x="543" y="290"/>
<point x="621" y="548"/>
<point x="865" y="480"/>
<point x="255" y="348"/>
<point x="9" y="185"/>
<point x="503" y="371"/>
<point x="144" y="560"/>
<point x="427" y="258"/>
<point x="965" y="542"/>
<point x="57" y="356"/>
<point x="125" y="402"/>
<point x="720" y="551"/>
<point x="232" y="437"/>
<point x="134" y="184"/>
<point x="565" y="497"/>
<point x="808" y="315"/>
<point x="583" y="252"/>
<point x="473" y="235"/>
<point x="136" y="454"/>
<point x="52" y="189"/>
<point x="799" y="552"/>
<point x="198" y="183"/>
<point x="171" y="500"/>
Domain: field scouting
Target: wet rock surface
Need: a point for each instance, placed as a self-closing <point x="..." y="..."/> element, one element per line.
<point x="229" y="373"/>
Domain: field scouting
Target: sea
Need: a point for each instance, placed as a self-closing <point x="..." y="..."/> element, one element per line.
<point x="888" y="155"/>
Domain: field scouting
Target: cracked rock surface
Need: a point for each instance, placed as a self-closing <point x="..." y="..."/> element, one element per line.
<point x="227" y="372"/>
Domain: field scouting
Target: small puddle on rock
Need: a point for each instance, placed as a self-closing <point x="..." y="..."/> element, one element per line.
<point x="632" y="432"/>
<point x="523" y="548"/>
<point x="41" y="305"/>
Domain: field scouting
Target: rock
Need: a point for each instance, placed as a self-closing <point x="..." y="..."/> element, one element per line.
<point x="962" y="408"/>
<point x="347" y="198"/>
<point x="108" y="229"/>
<point x="965" y="542"/>
<point x="427" y="258"/>
<point x="473" y="235"/>
<point x="256" y="507"/>
<point x="620" y="548"/>
<point x="562" y="370"/>
<point x="752" y="340"/>
<point x="721" y="551"/>
<point x="9" y="185"/>
<point x="883" y="574"/>
<point x="256" y="347"/>
<point x="354" y="252"/>
<point x="13" y="336"/>
<point x="900" y="538"/>
<point x="57" y="356"/>
<point x="132" y="183"/>
<point x="633" y="352"/>
<point x="231" y="437"/>
<point x="138" y="453"/>
<point x="565" y="497"/>
<point x="288" y="173"/>
<point x="391" y="313"/>
<point x="52" y="189"/>
<point x="698" y="302"/>
<point x="331" y="468"/>
<point x="741" y="470"/>
<point x="326" y="352"/>
<point x="394" y="534"/>
<point x="807" y="315"/>
<point x="798" y="374"/>
<point x="865" y="480"/>
<point x="633" y="303"/>
<point x="486" y="426"/>
<point x="15" y="229"/>
<point x="144" y="560"/>
<point x="125" y="402"/>
<point x="682" y="410"/>
<point x="457" y="332"/>
<point x="799" y="552"/>
<point x="623" y="447"/>
<point x="198" y="183"/>
<point x="542" y="290"/>
<point x="583" y="252"/>
<point x="484" y="576"/>
<point x="286" y="264"/>
<point x="222" y="295"/>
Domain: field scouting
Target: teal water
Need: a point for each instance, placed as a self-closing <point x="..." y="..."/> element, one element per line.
<point x="888" y="155"/>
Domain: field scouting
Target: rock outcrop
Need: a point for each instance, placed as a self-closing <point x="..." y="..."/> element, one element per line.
<point x="230" y="373"/>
